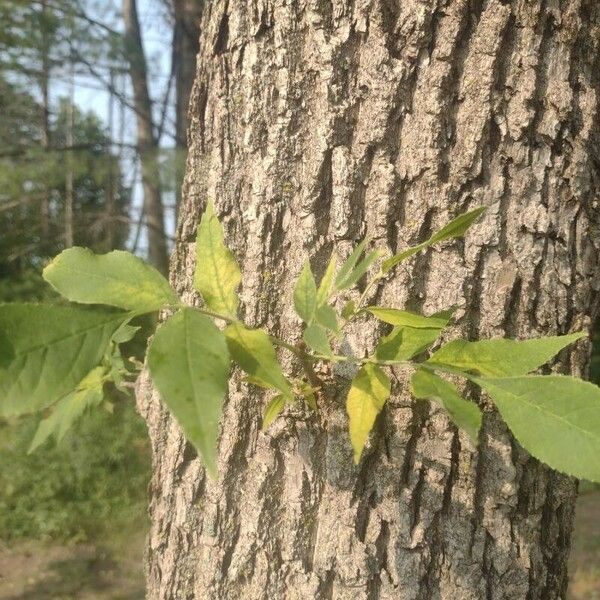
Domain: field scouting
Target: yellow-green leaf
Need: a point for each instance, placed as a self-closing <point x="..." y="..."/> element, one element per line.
<point x="217" y="272"/>
<point x="273" y="410"/>
<point x="501" y="357"/>
<point x="305" y="294"/>
<point x="455" y="228"/>
<point x="405" y="342"/>
<point x="465" y="415"/>
<point x="118" y="279"/>
<point x="358" y="271"/>
<point x="349" y="309"/>
<point x="406" y="318"/>
<point x="54" y="347"/>
<point x="326" y="317"/>
<point x="348" y="265"/>
<point x="554" y="417"/>
<point x="253" y="351"/>
<point x="368" y="394"/>
<point x="316" y="338"/>
<point x="189" y="365"/>
<point x="325" y="286"/>
<point x="66" y="411"/>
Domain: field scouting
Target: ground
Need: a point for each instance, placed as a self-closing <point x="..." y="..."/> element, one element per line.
<point x="111" y="569"/>
<point x="105" y="570"/>
<point x="585" y="559"/>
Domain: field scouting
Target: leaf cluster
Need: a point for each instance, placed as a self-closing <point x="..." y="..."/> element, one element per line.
<point x="63" y="356"/>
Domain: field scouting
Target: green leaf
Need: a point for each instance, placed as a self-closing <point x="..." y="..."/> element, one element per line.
<point x="308" y="393"/>
<point x="446" y="314"/>
<point x="305" y="294"/>
<point x="455" y="228"/>
<point x="258" y="382"/>
<point x="217" y="273"/>
<point x="118" y="279"/>
<point x="348" y="265"/>
<point x="390" y="263"/>
<point x="66" y="411"/>
<point x="500" y="357"/>
<point x="349" y="309"/>
<point x="7" y="352"/>
<point x="554" y="417"/>
<point x="368" y="393"/>
<point x="405" y="342"/>
<point x="408" y="319"/>
<point x="464" y="414"/>
<point x="189" y="365"/>
<point x="326" y="285"/>
<point x="316" y="338"/>
<point x="326" y="317"/>
<point x="125" y="333"/>
<point x="117" y="372"/>
<point x="253" y="351"/>
<point x="358" y="271"/>
<point x="273" y="410"/>
<point x="54" y="347"/>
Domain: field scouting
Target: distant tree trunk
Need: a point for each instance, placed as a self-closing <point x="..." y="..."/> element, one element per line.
<point x="313" y="126"/>
<point x="187" y="31"/>
<point x="69" y="180"/>
<point x="146" y="139"/>
<point x="45" y="110"/>
<point x="185" y="49"/>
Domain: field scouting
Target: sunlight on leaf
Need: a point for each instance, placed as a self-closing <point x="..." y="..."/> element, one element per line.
<point x="217" y="275"/>
<point x="368" y="393"/>
<point x="189" y="364"/>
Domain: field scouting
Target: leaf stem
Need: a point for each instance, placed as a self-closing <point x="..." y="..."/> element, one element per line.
<point x="306" y="358"/>
<point x="214" y="315"/>
<point x="370" y="284"/>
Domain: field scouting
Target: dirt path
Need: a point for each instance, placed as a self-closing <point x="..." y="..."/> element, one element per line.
<point x="36" y="571"/>
<point x="585" y="558"/>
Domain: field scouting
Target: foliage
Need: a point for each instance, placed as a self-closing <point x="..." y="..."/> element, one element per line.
<point x="94" y="482"/>
<point x="33" y="184"/>
<point x="556" y="418"/>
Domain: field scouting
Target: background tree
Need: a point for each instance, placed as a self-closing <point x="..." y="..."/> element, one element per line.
<point x="31" y="175"/>
<point x="55" y="44"/>
<point x="312" y="128"/>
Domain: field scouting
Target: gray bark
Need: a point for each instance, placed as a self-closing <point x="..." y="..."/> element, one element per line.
<point x="313" y="125"/>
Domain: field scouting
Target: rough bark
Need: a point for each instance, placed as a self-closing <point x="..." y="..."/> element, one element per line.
<point x="146" y="138"/>
<point x="317" y="123"/>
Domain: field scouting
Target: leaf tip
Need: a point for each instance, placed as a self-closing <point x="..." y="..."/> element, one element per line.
<point x="211" y="470"/>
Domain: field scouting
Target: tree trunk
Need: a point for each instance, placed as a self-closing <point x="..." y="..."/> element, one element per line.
<point x="146" y="139"/>
<point x="313" y="126"/>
